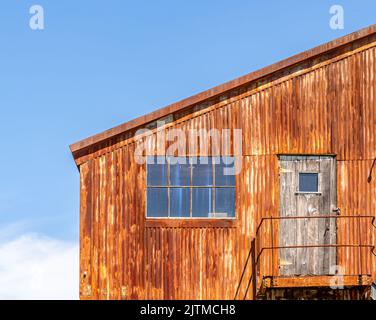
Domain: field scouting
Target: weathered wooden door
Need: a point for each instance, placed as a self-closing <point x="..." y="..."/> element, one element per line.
<point x="307" y="189"/>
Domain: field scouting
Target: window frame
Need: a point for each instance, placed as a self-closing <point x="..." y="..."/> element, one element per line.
<point x="181" y="221"/>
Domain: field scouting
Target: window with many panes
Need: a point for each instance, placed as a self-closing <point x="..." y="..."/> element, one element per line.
<point x="190" y="187"/>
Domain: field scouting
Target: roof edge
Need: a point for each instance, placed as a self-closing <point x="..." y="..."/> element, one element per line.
<point x="220" y="89"/>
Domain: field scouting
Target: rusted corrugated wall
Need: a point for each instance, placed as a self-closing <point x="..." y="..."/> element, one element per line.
<point x="323" y="106"/>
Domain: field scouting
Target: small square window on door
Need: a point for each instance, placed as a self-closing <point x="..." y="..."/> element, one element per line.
<point x="308" y="182"/>
<point x="307" y="191"/>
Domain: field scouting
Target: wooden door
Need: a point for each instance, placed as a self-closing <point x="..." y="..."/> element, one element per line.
<point x="307" y="189"/>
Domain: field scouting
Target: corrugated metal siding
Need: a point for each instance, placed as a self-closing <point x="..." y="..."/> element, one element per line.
<point x="356" y="197"/>
<point x="328" y="109"/>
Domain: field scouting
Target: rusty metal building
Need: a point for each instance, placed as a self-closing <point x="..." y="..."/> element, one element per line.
<point x="297" y="221"/>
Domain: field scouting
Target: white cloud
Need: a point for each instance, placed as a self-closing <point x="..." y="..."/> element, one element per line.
<point x="14" y="229"/>
<point x="37" y="267"/>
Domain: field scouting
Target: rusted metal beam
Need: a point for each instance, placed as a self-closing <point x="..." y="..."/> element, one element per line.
<point x="317" y="281"/>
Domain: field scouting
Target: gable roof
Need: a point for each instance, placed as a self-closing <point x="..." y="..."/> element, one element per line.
<point x="79" y="147"/>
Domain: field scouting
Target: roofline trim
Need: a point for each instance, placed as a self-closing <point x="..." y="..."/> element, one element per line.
<point x="220" y="89"/>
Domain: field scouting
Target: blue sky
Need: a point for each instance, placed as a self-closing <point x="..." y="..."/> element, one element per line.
<point x="100" y="63"/>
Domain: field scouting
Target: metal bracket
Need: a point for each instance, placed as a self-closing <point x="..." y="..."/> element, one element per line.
<point x="123" y="291"/>
<point x="86" y="292"/>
